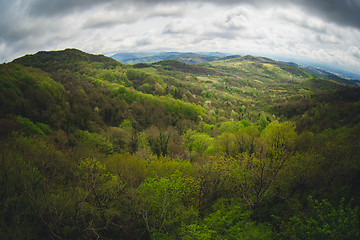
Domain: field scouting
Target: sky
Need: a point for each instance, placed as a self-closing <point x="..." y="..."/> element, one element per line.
<point x="325" y="31"/>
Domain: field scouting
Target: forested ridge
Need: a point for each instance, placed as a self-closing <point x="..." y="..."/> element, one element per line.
<point x="239" y="148"/>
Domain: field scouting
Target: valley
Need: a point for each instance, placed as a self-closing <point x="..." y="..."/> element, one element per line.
<point x="239" y="147"/>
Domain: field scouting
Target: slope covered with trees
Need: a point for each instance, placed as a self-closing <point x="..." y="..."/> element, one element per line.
<point x="240" y="148"/>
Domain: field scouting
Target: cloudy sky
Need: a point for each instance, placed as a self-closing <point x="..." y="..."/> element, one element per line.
<point x="325" y="31"/>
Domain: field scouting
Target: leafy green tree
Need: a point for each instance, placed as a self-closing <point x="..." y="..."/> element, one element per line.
<point x="246" y="136"/>
<point x="158" y="140"/>
<point x="229" y="126"/>
<point x="226" y="144"/>
<point x="162" y="203"/>
<point x="96" y="191"/>
<point x="143" y="146"/>
<point x="263" y="122"/>
<point x="145" y="88"/>
<point x="324" y="221"/>
<point x="130" y="169"/>
<point x="93" y="140"/>
<point x="280" y="139"/>
<point x="35" y="198"/>
<point x="262" y="168"/>
<point x="28" y="127"/>
<point x="228" y="222"/>
<point x="197" y="143"/>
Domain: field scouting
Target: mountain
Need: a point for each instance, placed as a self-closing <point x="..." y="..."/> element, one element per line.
<point x="338" y="72"/>
<point x="94" y="148"/>
<point x="339" y="75"/>
<point x="322" y="73"/>
<point x="257" y="84"/>
<point x="133" y="58"/>
<point x="191" y="58"/>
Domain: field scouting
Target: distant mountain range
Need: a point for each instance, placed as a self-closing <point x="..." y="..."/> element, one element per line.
<point x="326" y="71"/>
<point x="150" y="57"/>
<point x="203" y="57"/>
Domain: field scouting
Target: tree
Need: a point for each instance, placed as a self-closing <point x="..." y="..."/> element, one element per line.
<point x="197" y="143"/>
<point x="261" y="169"/>
<point x="324" y="222"/>
<point x="161" y="202"/>
<point x="96" y="190"/>
<point x="158" y="140"/>
<point x="226" y="144"/>
<point x="226" y="222"/>
<point x="143" y="146"/>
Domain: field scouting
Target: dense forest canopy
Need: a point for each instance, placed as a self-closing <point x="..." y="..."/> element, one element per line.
<point x="240" y="148"/>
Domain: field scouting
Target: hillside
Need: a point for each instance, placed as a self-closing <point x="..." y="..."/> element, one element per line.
<point x="238" y="148"/>
<point x="328" y="72"/>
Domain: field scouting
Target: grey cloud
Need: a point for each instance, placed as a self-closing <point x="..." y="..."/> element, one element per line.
<point x="143" y="42"/>
<point x="314" y="27"/>
<point x="103" y="23"/>
<point x="340" y="12"/>
<point x="354" y="51"/>
<point x="235" y="21"/>
<point x="327" y="39"/>
<point x="49" y="8"/>
<point x="59" y="7"/>
<point x="179" y="27"/>
<point x="220" y="34"/>
<point x="8" y="20"/>
<point x="106" y="21"/>
<point x="344" y="12"/>
<point x="31" y="25"/>
<point x="304" y="22"/>
<point x="172" y="29"/>
<point x="165" y="11"/>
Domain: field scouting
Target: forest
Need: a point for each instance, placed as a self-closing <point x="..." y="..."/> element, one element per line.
<point x="240" y="148"/>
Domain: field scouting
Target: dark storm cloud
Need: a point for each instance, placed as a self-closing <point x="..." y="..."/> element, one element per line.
<point x="323" y="29"/>
<point x="61" y="7"/>
<point x="343" y="12"/>
<point x="58" y="7"/>
<point x="108" y="21"/>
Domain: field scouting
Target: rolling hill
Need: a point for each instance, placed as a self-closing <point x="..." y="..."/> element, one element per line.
<point x="189" y="58"/>
<point x="192" y="58"/>
<point x="94" y="148"/>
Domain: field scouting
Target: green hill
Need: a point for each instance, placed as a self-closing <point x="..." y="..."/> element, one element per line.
<point x="239" y="148"/>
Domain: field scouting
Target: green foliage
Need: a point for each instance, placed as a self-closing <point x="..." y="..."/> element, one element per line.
<point x="226" y="143"/>
<point x="143" y="146"/>
<point x="29" y="128"/>
<point x="241" y="109"/>
<point x="227" y="222"/>
<point x="280" y="138"/>
<point x="45" y="128"/>
<point x="97" y="141"/>
<point x="91" y="148"/>
<point x="325" y="222"/>
<point x="31" y="93"/>
<point x="162" y="203"/>
<point x="197" y="142"/>
<point x="145" y="88"/>
<point x="274" y="149"/>
<point x="263" y="122"/>
<point x="229" y="126"/>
